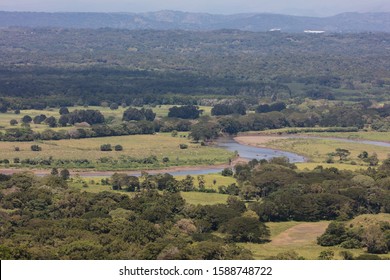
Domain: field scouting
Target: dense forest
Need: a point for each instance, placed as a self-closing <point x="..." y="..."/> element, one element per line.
<point x="81" y="66"/>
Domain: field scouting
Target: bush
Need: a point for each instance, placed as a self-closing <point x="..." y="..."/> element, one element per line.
<point x="227" y="172"/>
<point x="165" y="159"/>
<point x="105" y="148"/>
<point x="35" y="148"/>
<point x="118" y="148"/>
<point x="351" y="244"/>
<point x="13" y="122"/>
<point x="326" y="255"/>
<point x="183" y="146"/>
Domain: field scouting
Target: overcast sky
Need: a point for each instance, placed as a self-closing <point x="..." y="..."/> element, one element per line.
<point x="296" y="7"/>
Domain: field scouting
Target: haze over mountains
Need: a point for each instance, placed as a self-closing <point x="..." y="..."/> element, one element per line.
<point x="167" y="20"/>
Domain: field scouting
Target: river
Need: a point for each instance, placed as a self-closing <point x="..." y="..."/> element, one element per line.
<point x="244" y="151"/>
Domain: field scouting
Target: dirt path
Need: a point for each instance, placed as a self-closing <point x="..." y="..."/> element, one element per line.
<point x="300" y="234"/>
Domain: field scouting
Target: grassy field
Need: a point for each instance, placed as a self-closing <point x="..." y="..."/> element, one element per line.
<point x="317" y="150"/>
<point x="136" y="146"/>
<point x="204" y="198"/>
<point x="301" y="238"/>
<point x="340" y="166"/>
<point x="190" y="197"/>
<point x="360" y="135"/>
<point x="209" y="179"/>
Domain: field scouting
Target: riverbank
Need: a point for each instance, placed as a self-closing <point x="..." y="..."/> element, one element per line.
<point x="319" y="149"/>
<point x="178" y="170"/>
<point x="257" y="140"/>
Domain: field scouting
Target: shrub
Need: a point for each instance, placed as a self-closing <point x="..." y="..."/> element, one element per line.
<point x="35" y="148"/>
<point x="351" y="244"/>
<point x="227" y="172"/>
<point x="165" y="159"/>
<point x="326" y="255"/>
<point x="183" y="146"/>
<point x="118" y="148"/>
<point x="105" y="148"/>
<point x="13" y="122"/>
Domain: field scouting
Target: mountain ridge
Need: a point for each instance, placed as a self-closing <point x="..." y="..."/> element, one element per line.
<point x="170" y="20"/>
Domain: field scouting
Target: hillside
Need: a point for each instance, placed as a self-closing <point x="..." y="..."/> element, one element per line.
<point x="171" y="20"/>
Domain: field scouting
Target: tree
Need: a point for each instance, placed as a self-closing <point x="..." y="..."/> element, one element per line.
<point x="89" y="116"/>
<point x="201" y="182"/>
<point x="204" y="131"/>
<point x="39" y="119"/>
<point x="133" y="114"/>
<point x="120" y="181"/>
<point x="114" y="106"/>
<point x="65" y="174"/>
<point x="373" y="160"/>
<point x="230" y="125"/>
<point x="227" y="172"/>
<point x="64" y="111"/>
<point x="63" y="120"/>
<point x="342" y="153"/>
<point x="105" y="148"/>
<point x="51" y="121"/>
<point x="184" y="112"/>
<point x="13" y="122"/>
<point x="35" y="148"/>
<point x="118" y="148"/>
<point x="363" y="155"/>
<point x="246" y="229"/>
<point x="374" y="239"/>
<point x="26" y="119"/>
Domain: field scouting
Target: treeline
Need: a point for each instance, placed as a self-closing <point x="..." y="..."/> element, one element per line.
<point x="58" y="222"/>
<point x="142" y="121"/>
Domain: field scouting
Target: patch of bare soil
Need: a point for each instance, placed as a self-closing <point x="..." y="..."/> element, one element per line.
<point x="301" y="234"/>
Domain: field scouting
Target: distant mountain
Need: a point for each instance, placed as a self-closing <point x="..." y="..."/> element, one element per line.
<point x="168" y="20"/>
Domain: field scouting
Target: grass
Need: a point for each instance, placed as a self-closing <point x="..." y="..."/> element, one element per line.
<point x="340" y="166"/>
<point x="209" y="179"/>
<point x="136" y="146"/>
<point x="204" y="198"/>
<point x="304" y="243"/>
<point x="360" y="135"/>
<point x="317" y="150"/>
<point x="195" y="198"/>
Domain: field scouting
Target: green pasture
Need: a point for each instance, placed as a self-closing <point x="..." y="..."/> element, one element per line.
<point x="300" y="237"/>
<point x="135" y="146"/>
<point x="317" y="150"/>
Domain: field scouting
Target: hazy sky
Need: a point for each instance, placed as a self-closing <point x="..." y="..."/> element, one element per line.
<point x="297" y="7"/>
